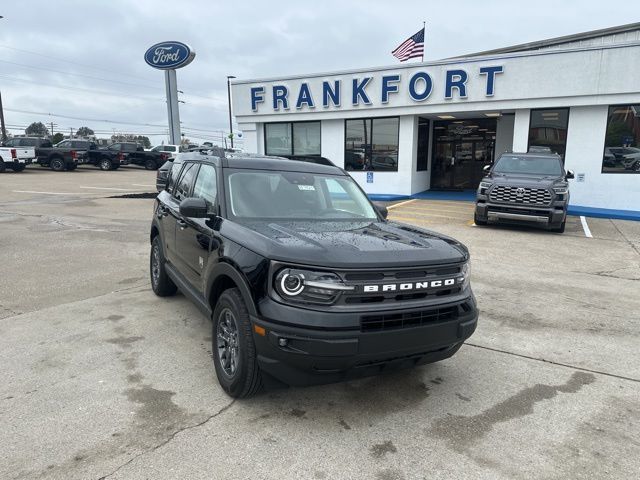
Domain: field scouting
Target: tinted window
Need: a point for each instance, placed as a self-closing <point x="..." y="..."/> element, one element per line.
<point x="297" y="138"/>
<point x="372" y="144"/>
<point x="12" y="143"/>
<point x="174" y="172"/>
<point x="206" y="185"/>
<point x="423" y="144"/>
<point x="548" y="130"/>
<point x="622" y="140"/>
<point x="115" y="146"/>
<point x="183" y="187"/>
<point x="64" y="144"/>
<point x="528" y="165"/>
<point x="29" y="142"/>
<point x="129" y="147"/>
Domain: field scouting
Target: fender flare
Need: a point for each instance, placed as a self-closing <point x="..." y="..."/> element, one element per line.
<point x="228" y="270"/>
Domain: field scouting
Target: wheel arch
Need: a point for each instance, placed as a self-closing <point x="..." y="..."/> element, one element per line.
<point x="225" y="276"/>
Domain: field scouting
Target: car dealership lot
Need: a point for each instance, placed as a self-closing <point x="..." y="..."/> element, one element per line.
<point x="103" y="379"/>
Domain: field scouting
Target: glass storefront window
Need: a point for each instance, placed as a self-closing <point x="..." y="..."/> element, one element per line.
<point x="622" y="140"/>
<point x="423" y="145"/>
<point x="548" y="130"/>
<point x="287" y="138"/>
<point x="372" y="144"/>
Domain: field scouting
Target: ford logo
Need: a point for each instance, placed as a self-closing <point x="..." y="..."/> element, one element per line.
<point x="169" y="55"/>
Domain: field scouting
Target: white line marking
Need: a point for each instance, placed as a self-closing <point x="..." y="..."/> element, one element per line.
<point x="53" y="193"/>
<point x="585" y="227"/>
<point x="141" y="185"/>
<point x="108" y="188"/>
<point x="390" y="207"/>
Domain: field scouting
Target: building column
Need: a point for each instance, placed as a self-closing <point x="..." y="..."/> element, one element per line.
<point x="521" y="130"/>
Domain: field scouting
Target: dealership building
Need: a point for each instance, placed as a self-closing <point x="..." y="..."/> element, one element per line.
<point x="405" y="129"/>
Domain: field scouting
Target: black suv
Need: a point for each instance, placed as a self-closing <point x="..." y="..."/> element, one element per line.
<point x="525" y="188"/>
<point x="305" y="280"/>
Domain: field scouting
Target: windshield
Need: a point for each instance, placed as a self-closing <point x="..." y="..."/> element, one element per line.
<point x="265" y="194"/>
<point x="528" y="165"/>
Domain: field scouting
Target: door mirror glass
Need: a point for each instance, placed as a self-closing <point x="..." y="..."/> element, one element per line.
<point x="194" y="208"/>
<point x="486" y="168"/>
<point x="382" y="210"/>
<point x="570" y="175"/>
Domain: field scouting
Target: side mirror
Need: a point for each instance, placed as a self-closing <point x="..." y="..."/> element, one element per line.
<point x="570" y="175"/>
<point x="194" y="208"/>
<point x="486" y="168"/>
<point x="382" y="210"/>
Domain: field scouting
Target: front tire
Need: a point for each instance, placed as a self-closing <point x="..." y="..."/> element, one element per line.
<point x="560" y="229"/>
<point x="234" y="352"/>
<point x="105" y="164"/>
<point x="161" y="284"/>
<point x="477" y="221"/>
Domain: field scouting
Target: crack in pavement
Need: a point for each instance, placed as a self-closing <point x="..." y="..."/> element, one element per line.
<point x="635" y="249"/>
<point x="544" y="360"/>
<point x="169" y="439"/>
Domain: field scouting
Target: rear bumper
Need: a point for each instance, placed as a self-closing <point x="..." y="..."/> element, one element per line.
<point x="303" y="356"/>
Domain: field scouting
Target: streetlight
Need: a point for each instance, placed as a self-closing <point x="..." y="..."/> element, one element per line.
<point x="229" y="77"/>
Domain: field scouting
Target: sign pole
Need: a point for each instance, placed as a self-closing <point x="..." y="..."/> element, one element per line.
<point x="171" y="85"/>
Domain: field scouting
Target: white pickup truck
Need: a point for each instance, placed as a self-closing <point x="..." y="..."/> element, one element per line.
<point x="16" y="158"/>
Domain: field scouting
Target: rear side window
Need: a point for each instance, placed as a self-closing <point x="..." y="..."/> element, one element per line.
<point x="206" y="185"/>
<point x="183" y="187"/>
<point x="174" y="172"/>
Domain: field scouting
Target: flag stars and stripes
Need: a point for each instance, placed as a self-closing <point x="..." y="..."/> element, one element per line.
<point x="412" y="47"/>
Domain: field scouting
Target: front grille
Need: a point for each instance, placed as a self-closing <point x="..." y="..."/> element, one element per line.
<point x="520" y="195"/>
<point x="399" y="277"/>
<point x="392" y="321"/>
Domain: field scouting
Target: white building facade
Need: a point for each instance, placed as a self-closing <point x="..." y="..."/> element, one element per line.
<point x="405" y="129"/>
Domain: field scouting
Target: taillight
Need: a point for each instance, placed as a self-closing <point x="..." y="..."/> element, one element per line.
<point x="14" y="154"/>
<point x="120" y="156"/>
<point x="164" y="156"/>
<point x="73" y="154"/>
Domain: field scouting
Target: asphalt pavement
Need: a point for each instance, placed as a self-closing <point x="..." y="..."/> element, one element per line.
<point x="101" y="379"/>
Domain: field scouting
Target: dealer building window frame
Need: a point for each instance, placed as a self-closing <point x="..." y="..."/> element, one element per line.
<point x="365" y="148"/>
<point x="293" y="138"/>
<point x="621" y="153"/>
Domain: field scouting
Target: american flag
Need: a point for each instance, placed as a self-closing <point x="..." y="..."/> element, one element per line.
<point x="412" y="47"/>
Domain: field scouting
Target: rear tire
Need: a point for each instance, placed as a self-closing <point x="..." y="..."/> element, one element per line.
<point x="105" y="164"/>
<point x="19" y="168"/>
<point x="161" y="284"/>
<point x="233" y="348"/>
<point x="150" y="165"/>
<point x="57" y="164"/>
<point x="477" y="221"/>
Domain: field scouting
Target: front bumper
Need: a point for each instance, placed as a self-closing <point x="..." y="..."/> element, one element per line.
<point x="304" y="355"/>
<point x="546" y="216"/>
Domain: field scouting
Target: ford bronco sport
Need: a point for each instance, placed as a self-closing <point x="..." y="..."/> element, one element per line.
<point x="305" y="280"/>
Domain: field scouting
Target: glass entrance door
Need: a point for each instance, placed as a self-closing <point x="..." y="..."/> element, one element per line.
<point x="461" y="149"/>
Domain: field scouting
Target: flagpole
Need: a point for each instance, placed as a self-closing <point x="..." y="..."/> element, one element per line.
<point x="424" y="40"/>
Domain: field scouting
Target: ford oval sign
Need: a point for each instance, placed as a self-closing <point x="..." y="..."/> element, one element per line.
<point x="169" y="55"/>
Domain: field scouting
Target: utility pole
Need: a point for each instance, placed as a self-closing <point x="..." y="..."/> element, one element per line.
<point x="4" y="130"/>
<point x="52" y="125"/>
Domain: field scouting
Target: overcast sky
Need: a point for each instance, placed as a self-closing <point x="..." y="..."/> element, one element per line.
<point x="84" y="59"/>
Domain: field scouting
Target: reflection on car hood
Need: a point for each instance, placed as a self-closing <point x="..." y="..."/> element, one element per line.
<point x="521" y="179"/>
<point x="346" y="244"/>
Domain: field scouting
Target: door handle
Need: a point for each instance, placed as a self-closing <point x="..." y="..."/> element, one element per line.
<point x="182" y="224"/>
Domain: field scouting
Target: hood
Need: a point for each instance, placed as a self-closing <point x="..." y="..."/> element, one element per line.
<point x="346" y="244"/>
<point x="526" y="180"/>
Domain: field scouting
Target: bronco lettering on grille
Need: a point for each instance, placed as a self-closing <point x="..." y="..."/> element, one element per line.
<point x="392" y="287"/>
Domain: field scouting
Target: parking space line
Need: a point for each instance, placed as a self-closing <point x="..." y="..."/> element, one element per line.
<point x="53" y="193"/>
<point x="585" y="227"/>
<point x="390" y="207"/>
<point x="108" y="188"/>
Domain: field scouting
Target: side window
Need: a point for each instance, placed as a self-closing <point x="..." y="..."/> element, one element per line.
<point x="206" y="186"/>
<point x="130" y="147"/>
<point x="12" y="143"/>
<point x="174" y="171"/>
<point x="29" y="142"/>
<point x="183" y="187"/>
<point x="115" y="146"/>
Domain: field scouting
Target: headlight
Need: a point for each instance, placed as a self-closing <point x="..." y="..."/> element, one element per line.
<point x="307" y="286"/>
<point x="484" y="186"/>
<point x="466" y="275"/>
<point x="561" y="190"/>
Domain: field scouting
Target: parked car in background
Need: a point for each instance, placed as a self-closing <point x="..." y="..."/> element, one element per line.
<point x="135" y="154"/>
<point x="102" y="158"/>
<point x="58" y="159"/>
<point x="16" y="158"/>
<point x="170" y="150"/>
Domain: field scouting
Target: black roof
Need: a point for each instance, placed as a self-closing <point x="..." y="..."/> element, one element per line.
<point x="263" y="162"/>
